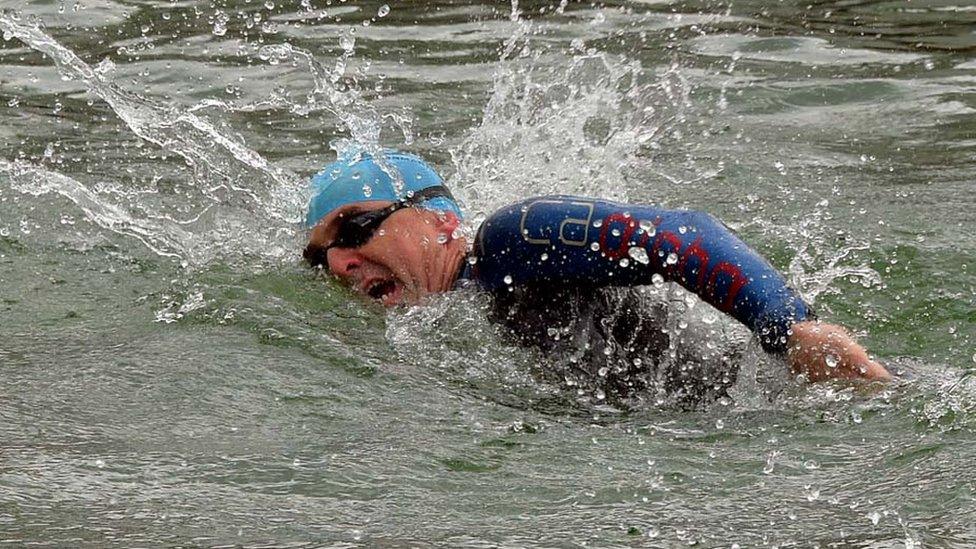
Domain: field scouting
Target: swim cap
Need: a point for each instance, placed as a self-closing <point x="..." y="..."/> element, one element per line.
<point x="358" y="178"/>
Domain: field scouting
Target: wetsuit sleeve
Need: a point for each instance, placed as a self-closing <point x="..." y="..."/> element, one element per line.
<point x="572" y="241"/>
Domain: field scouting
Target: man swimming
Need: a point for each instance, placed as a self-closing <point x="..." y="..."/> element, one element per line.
<point x="559" y="265"/>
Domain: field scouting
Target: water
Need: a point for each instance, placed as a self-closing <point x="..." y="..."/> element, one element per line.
<point x="172" y="375"/>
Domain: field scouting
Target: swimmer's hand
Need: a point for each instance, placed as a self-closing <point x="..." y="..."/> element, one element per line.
<point x="823" y="351"/>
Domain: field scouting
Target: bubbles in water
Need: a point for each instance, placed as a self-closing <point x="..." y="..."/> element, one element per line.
<point x="672" y="258"/>
<point x="508" y="279"/>
<point x="383" y="11"/>
<point x="624" y="262"/>
<point x="657" y="280"/>
<point x="275" y="53"/>
<point x="220" y="21"/>
<point x="831" y="360"/>
<point x="595" y="246"/>
<point x="544" y="256"/>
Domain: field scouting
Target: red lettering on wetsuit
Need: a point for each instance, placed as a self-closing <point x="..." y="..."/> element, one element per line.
<point x="621" y="249"/>
<point x="695" y="251"/>
<point x="736" y="282"/>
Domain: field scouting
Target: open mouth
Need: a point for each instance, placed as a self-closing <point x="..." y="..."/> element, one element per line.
<point x="381" y="289"/>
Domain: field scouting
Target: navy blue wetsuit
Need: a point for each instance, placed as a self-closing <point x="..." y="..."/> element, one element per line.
<point x="565" y="247"/>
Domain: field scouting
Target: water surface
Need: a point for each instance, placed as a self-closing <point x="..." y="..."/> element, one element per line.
<point x="170" y="373"/>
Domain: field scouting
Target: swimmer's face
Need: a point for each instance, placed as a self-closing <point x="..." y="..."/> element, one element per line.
<point x="409" y="255"/>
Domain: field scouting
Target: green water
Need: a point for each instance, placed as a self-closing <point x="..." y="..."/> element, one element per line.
<point x="171" y="375"/>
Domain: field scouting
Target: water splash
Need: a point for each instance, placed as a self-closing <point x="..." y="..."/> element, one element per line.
<point x="274" y="190"/>
<point x="162" y="236"/>
<point x="245" y="203"/>
<point x="576" y="122"/>
<point x="816" y="266"/>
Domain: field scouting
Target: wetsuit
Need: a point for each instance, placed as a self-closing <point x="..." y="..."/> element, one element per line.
<point x="549" y="262"/>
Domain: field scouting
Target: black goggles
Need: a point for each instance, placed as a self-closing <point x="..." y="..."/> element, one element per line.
<point x="356" y="230"/>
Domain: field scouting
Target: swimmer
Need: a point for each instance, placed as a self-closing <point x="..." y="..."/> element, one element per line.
<point x="546" y="260"/>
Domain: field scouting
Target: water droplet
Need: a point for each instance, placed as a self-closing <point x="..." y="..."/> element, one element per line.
<point x="508" y="279"/>
<point x="595" y="246"/>
<point x="598" y="223"/>
<point x="442" y="238"/>
<point x="544" y="256"/>
<point x="639" y="255"/>
<point x="874" y="517"/>
<point x="657" y="280"/>
<point x="383" y="11"/>
<point x="672" y="258"/>
<point x="600" y="395"/>
<point x="682" y="229"/>
<point x="367" y="191"/>
<point x="347" y="42"/>
<point x="104" y="67"/>
<point x="624" y="262"/>
<point x="831" y="360"/>
<point x="602" y="372"/>
<point x="615" y="232"/>
<point x="472" y="260"/>
<point x="647" y="227"/>
<point x="710" y="318"/>
<point x="719" y="424"/>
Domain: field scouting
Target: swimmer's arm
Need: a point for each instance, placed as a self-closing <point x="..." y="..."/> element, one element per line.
<point x="562" y="240"/>
<point x="822" y="351"/>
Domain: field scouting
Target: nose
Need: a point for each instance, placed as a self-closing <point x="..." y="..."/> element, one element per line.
<point x="344" y="262"/>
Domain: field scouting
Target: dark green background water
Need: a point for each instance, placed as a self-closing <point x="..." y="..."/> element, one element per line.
<point x="170" y="374"/>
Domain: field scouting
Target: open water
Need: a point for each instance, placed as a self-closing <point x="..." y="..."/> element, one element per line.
<point x="172" y="375"/>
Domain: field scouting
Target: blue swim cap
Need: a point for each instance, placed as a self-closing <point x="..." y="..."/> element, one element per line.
<point x="358" y="178"/>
